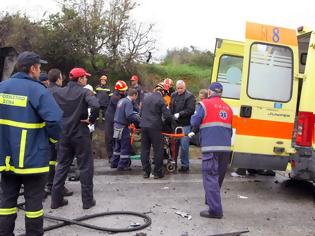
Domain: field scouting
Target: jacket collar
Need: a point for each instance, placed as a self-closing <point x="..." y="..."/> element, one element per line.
<point x="23" y="75"/>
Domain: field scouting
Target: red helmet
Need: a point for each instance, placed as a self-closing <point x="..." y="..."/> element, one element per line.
<point x="169" y="82"/>
<point x="163" y="86"/>
<point x="134" y="78"/>
<point x="121" y="85"/>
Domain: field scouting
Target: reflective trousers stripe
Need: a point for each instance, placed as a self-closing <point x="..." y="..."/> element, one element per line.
<point x="53" y="163"/>
<point x="22" y="148"/>
<point x="22" y="125"/>
<point x="7" y="211"/>
<point x="215" y="148"/>
<point x="124" y="156"/>
<point x="215" y="124"/>
<point x="53" y="140"/>
<point x="25" y="171"/>
<point x="34" y="214"/>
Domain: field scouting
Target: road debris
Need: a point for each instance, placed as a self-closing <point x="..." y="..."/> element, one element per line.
<point x="183" y="214"/>
<point x="242" y="197"/>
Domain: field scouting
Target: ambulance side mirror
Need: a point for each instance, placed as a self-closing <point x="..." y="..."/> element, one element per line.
<point x="246" y="111"/>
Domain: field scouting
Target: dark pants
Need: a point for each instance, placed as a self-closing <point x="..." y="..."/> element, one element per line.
<point x="121" y="154"/>
<point x="152" y="137"/>
<point x="68" y="148"/>
<point x="109" y="140"/>
<point x="214" y="166"/>
<point x="52" y="165"/>
<point x="33" y="194"/>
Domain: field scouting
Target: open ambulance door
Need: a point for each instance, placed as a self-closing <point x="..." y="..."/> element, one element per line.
<point x="268" y="98"/>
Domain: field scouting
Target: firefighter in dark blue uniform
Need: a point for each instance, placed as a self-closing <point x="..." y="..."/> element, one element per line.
<point x="214" y="119"/>
<point x="120" y="91"/>
<point x="75" y="140"/>
<point x="152" y="111"/>
<point x="103" y="94"/>
<point x="124" y="116"/>
<point x="29" y="117"/>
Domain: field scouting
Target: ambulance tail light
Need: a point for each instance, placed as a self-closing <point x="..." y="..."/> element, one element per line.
<point x="305" y="129"/>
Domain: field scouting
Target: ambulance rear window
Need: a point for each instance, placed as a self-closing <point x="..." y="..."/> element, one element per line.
<point x="270" y="72"/>
<point x="230" y="75"/>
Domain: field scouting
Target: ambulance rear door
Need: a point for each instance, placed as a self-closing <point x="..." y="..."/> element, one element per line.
<point x="268" y="98"/>
<point x="227" y="69"/>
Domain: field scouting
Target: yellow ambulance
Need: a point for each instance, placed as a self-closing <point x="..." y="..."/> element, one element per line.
<point x="267" y="82"/>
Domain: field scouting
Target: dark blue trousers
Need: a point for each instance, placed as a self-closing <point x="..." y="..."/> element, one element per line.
<point x="121" y="154"/>
<point x="214" y="166"/>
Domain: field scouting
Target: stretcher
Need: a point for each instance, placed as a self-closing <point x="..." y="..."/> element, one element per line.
<point x="169" y="147"/>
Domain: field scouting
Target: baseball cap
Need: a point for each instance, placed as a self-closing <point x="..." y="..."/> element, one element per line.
<point x="216" y="87"/>
<point x="28" y="58"/>
<point x="78" y="72"/>
<point x="43" y="77"/>
<point x="134" y="78"/>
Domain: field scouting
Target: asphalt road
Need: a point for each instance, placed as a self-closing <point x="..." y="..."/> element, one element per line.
<point x="262" y="205"/>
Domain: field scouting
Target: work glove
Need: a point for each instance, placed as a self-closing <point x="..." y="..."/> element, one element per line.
<point x="91" y="128"/>
<point x="191" y="134"/>
<point x="176" y="116"/>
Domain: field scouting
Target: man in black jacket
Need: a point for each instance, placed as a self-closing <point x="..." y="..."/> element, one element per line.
<point x="153" y="109"/>
<point x="55" y="83"/>
<point x="183" y="107"/>
<point x="74" y="100"/>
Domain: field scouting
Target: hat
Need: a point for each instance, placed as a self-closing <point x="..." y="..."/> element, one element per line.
<point x="216" y="87"/>
<point x="134" y="78"/>
<point x="29" y="58"/>
<point x="43" y="77"/>
<point x="78" y="72"/>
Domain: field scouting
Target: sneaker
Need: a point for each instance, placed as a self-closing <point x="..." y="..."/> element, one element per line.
<point x="207" y="214"/>
<point x="55" y="205"/>
<point x="89" y="205"/>
<point x="146" y="175"/>
<point x="184" y="169"/>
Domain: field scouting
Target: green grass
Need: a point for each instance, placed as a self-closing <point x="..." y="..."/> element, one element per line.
<point x="196" y="77"/>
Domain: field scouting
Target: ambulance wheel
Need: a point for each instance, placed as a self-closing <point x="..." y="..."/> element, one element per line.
<point x="170" y="167"/>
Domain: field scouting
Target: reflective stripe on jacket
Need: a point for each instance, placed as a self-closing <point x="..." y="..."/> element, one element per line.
<point x="29" y="116"/>
<point x="214" y="118"/>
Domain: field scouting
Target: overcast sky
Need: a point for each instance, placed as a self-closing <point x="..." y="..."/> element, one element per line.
<point x="180" y="23"/>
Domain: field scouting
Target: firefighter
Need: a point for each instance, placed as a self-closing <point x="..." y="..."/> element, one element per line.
<point x="134" y="83"/>
<point x="153" y="108"/>
<point x="124" y="116"/>
<point x="29" y="117"/>
<point x="75" y="140"/>
<point x="214" y="119"/>
<point x="55" y="82"/>
<point x="103" y="94"/>
<point x="120" y="91"/>
<point x="171" y="90"/>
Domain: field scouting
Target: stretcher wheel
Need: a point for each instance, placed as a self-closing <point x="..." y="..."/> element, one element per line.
<point x="170" y="167"/>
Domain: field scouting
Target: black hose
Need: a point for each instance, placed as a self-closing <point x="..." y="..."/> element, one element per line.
<point x="77" y="221"/>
